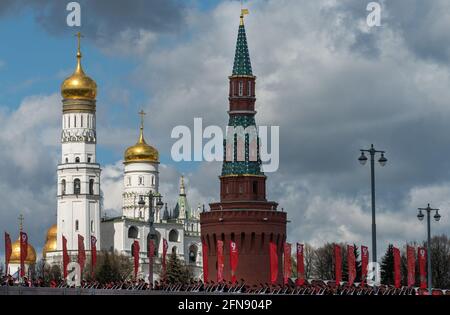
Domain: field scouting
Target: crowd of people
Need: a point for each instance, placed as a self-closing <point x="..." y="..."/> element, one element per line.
<point x="313" y="287"/>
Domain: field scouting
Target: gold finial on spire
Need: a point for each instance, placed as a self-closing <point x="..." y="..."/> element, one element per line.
<point x="244" y="12"/>
<point x="21" y="218"/>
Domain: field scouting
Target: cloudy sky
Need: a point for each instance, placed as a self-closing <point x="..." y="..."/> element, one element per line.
<point x="330" y="82"/>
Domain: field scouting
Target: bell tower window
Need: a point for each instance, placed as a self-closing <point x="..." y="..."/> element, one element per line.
<point x="91" y="186"/>
<point x="76" y="186"/>
<point x="63" y="187"/>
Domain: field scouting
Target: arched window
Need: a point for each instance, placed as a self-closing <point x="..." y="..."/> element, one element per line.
<point x="173" y="236"/>
<point x="63" y="187"/>
<point x="153" y="180"/>
<point x="133" y="232"/>
<point x="141" y="180"/>
<point x="67" y="160"/>
<point x="241" y="88"/>
<point x="76" y="186"/>
<point x="249" y="88"/>
<point x="91" y="186"/>
<point x="77" y="225"/>
<point x="77" y="159"/>
<point x="193" y="250"/>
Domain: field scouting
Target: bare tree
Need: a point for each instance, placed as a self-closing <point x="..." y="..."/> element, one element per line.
<point x="440" y="261"/>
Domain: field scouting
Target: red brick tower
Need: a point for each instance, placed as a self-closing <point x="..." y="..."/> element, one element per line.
<point x="243" y="213"/>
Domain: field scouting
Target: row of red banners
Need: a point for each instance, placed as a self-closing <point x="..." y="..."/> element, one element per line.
<point x="351" y="263"/>
<point x="411" y="265"/>
<point x="234" y="257"/>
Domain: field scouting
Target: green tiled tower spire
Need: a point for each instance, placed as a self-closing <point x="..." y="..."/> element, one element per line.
<point x="242" y="94"/>
<point x="242" y="64"/>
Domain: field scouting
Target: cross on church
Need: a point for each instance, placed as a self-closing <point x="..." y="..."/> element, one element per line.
<point x="79" y="35"/>
<point x="142" y="114"/>
<point x="21" y="222"/>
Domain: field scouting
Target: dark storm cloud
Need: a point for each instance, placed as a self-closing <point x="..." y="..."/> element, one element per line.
<point x="103" y="18"/>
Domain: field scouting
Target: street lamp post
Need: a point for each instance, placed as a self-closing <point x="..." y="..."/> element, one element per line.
<point x="363" y="160"/>
<point x="151" y="197"/>
<point x="437" y="217"/>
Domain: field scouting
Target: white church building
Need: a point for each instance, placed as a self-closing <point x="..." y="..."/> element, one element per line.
<point x="79" y="207"/>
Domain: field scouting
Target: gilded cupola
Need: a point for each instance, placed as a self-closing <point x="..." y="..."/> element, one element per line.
<point x="141" y="151"/>
<point x="79" y="86"/>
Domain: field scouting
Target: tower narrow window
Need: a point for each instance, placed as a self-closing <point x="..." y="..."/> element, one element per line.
<point x="241" y="189"/>
<point x="249" y="88"/>
<point x="91" y="186"/>
<point x="75" y="121"/>
<point x="255" y="187"/>
<point x="92" y="226"/>
<point x="81" y="120"/>
<point x="63" y="187"/>
<point x="241" y="88"/>
<point x="76" y="186"/>
<point x="69" y="121"/>
<point x="77" y="159"/>
<point x="141" y="180"/>
<point x="77" y="225"/>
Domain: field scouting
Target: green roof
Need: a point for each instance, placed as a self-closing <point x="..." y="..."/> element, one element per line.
<point x="242" y="64"/>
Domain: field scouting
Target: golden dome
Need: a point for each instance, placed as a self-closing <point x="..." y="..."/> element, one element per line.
<point x="50" y="241"/>
<point x="79" y="85"/>
<point x="141" y="151"/>
<point x="15" y="255"/>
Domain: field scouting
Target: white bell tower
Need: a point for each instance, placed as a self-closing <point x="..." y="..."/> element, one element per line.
<point x="78" y="208"/>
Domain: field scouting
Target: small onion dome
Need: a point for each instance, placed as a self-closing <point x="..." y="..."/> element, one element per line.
<point x="79" y="85"/>
<point x="141" y="151"/>
<point x="15" y="255"/>
<point x="50" y="241"/>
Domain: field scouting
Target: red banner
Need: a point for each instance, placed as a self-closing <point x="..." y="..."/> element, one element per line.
<point x="337" y="263"/>
<point x="205" y="261"/>
<point x="8" y="252"/>
<point x="81" y="253"/>
<point x="23" y="252"/>
<point x="164" y="265"/>
<point x="364" y="264"/>
<point x="93" y="254"/>
<point x="220" y="261"/>
<point x="351" y="264"/>
<point x="411" y="262"/>
<point x="422" y="256"/>
<point x="287" y="262"/>
<point x="65" y="256"/>
<point x="300" y="265"/>
<point x="397" y="272"/>
<point x="234" y="258"/>
<point x="273" y="263"/>
<point x="136" y="251"/>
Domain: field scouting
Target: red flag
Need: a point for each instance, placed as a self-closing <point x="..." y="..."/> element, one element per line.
<point x="273" y="262"/>
<point x="136" y="251"/>
<point x="165" y="247"/>
<point x="364" y="264"/>
<point x="338" y="263"/>
<point x="65" y="256"/>
<point x="397" y="273"/>
<point x="422" y="267"/>
<point x="23" y="252"/>
<point x="300" y="265"/>
<point x="8" y="251"/>
<point x="287" y="262"/>
<point x="81" y="253"/>
<point x="93" y="254"/>
<point x="411" y="259"/>
<point x="234" y="258"/>
<point x="205" y="261"/>
<point x="351" y="264"/>
<point x="220" y="261"/>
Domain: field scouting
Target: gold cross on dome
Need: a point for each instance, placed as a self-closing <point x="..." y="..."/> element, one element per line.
<point x="79" y="35"/>
<point x="142" y="114"/>
<point x="21" y="218"/>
